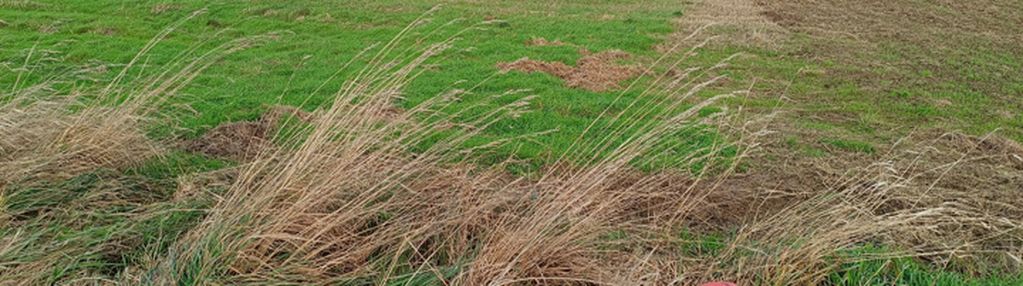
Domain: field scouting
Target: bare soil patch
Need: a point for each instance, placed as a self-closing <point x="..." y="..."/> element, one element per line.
<point x="596" y="72"/>
<point x="242" y="141"/>
<point x="236" y="140"/>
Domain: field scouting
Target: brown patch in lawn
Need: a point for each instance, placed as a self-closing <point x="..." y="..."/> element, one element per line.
<point x="204" y="184"/>
<point x="163" y="8"/>
<point x="242" y="141"/>
<point x="545" y="43"/>
<point x="876" y="48"/>
<point x="939" y="37"/>
<point x="929" y="23"/>
<point x="982" y="175"/>
<point x="733" y="22"/>
<point x="21" y="4"/>
<point x="950" y="192"/>
<point x="106" y="31"/>
<point x="236" y="140"/>
<point x="594" y="72"/>
<point x="277" y="112"/>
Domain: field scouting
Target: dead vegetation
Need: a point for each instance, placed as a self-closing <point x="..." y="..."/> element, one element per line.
<point x="922" y="24"/>
<point x="543" y="42"/>
<point x="161" y="8"/>
<point x="948" y="199"/>
<point x="885" y="47"/>
<point x="941" y="56"/>
<point x="731" y="22"/>
<point x="596" y="72"/>
<point x="348" y="202"/>
<point x="923" y="34"/>
<point x="354" y="206"/>
<point x="242" y="141"/>
<point x="43" y="141"/>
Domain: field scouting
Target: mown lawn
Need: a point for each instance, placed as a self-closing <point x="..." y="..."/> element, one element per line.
<point x="859" y="82"/>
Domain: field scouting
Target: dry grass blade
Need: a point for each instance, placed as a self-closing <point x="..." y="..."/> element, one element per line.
<point x="348" y="201"/>
<point x="906" y="203"/>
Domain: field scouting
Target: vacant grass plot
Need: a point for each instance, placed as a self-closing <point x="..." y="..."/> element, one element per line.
<point x="509" y="143"/>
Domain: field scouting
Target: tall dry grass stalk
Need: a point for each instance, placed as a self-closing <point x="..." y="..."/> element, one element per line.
<point x="349" y="202"/>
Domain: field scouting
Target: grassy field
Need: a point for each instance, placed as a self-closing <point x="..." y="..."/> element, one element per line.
<point x="314" y="39"/>
<point x="423" y="151"/>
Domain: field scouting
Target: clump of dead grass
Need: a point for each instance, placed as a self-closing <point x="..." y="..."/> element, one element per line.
<point x="161" y="8"/>
<point x="543" y="42"/>
<point x="594" y="71"/>
<point x="64" y="212"/>
<point x="729" y="22"/>
<point x="45" y="141"/>
<point x="348" y="202"/>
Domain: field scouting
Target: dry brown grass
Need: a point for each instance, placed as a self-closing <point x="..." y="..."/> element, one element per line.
<point x="46" y="141"/>
<point x="50" y="137"/>
<point x="926" y="36"/>
<point x="936" y="46"/>
<point x="543" y="42"/>
<point x="349" y="203"/>
<point x="948" y="200"/>
<point x="733" y="22"/>
<point x="242" y="141"/>
<point x="594" y="71"/>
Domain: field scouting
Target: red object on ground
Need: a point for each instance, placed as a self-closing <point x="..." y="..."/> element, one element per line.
<point x="718" y="284"/>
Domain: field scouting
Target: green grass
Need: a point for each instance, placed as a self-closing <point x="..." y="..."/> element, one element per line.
<point x="851" y="145"/>
<point x="317" y="38"/>
<point x="976" y="91"/>
<point x="908" y="271"/>
<point x="139" y="215"/>
<point x="100" y="222"/>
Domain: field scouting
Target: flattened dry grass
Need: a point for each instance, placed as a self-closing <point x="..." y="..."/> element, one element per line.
<point x="45" y="141"/>
<point x="349" y="202"/>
